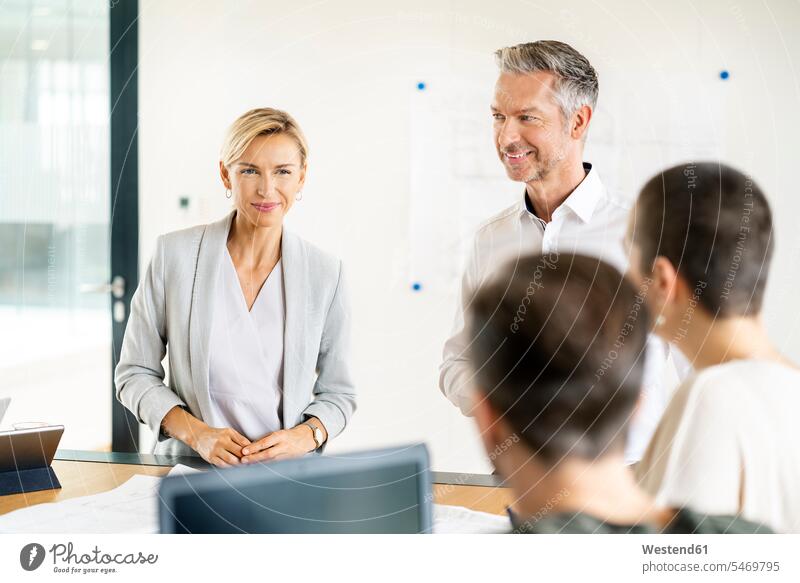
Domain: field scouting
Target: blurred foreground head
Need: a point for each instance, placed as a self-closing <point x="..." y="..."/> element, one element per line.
<point x="558" y="351"/>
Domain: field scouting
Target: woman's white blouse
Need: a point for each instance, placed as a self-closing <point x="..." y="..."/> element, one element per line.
<point x="245" y="375"/>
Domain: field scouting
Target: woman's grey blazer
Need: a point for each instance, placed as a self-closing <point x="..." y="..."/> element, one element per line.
<point x="172" y="309"/>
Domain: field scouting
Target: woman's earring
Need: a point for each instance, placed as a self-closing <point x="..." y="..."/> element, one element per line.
<point x="227" y="193"/>
<point x="299" y="195"/>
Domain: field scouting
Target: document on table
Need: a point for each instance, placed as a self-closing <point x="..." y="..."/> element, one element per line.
<point x="460" y="520"/>
<point x="129" y="508"/>
<point x="133" y="508"/>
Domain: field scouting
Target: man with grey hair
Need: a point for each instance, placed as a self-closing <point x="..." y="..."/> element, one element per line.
<point x="544" y="100"/>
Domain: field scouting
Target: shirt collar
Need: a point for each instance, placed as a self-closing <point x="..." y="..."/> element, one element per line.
<point x="584" y="199"/>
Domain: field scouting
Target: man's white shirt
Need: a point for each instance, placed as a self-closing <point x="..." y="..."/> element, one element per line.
<point x="591" y="222"/>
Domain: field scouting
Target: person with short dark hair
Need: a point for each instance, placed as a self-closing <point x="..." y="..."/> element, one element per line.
<point x="701" y="241"/>
<point x="557" y="348"/>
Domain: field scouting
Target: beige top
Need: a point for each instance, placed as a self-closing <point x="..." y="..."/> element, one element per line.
<point x="729" y="443"/>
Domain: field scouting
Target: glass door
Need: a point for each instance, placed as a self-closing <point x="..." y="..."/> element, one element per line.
<point x="55" y="292"/>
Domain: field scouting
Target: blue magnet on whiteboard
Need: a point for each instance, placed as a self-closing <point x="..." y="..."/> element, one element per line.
<point x="724" y="74"/>
<point x="421" y="86"/>
<point x="416" y="286"/>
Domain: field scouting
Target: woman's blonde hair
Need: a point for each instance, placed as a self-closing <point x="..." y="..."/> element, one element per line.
<point x="263" y="121"/>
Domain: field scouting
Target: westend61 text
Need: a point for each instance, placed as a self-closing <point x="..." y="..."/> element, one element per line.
<point x="675" y="550"/>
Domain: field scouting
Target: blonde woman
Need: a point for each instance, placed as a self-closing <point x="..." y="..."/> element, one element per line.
<point x="256" y="319"/>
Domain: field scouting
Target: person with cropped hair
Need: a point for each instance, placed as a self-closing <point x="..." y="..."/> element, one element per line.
<point x="702" y="236"/>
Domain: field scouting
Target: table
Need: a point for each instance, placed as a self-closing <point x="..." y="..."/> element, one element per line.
<point x="82" y="473"/>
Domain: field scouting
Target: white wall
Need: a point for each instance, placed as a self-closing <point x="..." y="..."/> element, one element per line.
<point x="347" y="70"/>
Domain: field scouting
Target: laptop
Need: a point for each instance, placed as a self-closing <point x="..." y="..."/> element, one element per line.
<point x="26" y="455"/>
<point x="378" y="491"/>
<point x="27" y="449"/>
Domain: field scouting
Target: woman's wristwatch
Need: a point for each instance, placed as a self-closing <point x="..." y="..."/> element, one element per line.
<point x="316" y="432"/>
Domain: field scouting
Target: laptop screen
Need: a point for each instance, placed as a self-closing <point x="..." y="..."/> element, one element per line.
<point x="381" y="493"/>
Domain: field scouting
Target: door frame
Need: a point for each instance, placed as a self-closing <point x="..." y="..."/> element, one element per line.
<point x="124" y="219"/>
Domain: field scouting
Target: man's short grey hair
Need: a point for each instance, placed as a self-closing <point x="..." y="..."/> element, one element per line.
<point x="576" y="79"/>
